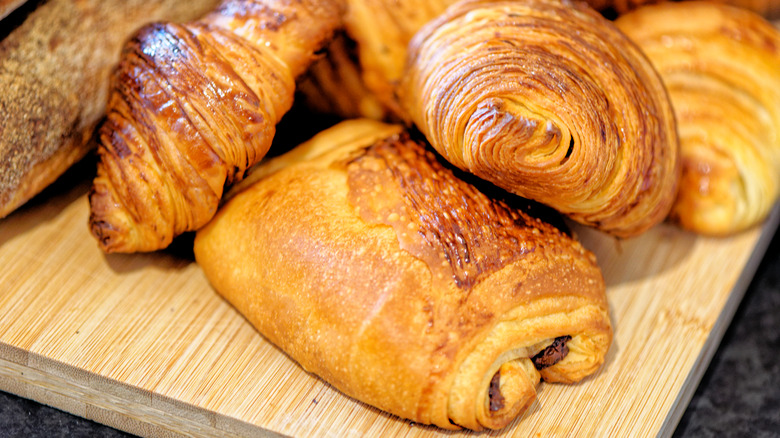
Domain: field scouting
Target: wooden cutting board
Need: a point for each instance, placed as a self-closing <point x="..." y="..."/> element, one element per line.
<point x="142" y="343"/>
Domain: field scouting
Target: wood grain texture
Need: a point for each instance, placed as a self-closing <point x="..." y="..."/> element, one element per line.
<point x="142" y="343"/>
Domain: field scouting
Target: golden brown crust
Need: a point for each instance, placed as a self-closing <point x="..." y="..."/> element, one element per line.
<point x="721" y="66"/>
<point x="375" y="268"/>
<point x="193" y="106"/>
<point x="54" y="69"/>
<point x="768" y="8"/>
<point x="334" y="85"/>
<point x="362" y="83"/>
<point x="549" y="101"/>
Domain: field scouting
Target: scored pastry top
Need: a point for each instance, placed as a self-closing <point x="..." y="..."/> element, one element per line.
<point x="440" y="217"/>
<point x="367" y="260"/>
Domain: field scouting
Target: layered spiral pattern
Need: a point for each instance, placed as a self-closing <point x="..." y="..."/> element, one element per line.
<point x="192" y="107"/>
<point x="550" y="101"/>
<point x="721" y="66"/>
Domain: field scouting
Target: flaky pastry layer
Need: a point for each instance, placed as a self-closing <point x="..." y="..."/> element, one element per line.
<point x="372" y="265"/>
<point x="548" y="100"/>
<point x="721" y="66"/>
<point x="193" y="106"/>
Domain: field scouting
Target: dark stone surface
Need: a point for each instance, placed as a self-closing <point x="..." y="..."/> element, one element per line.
<point x="25" y="418"/>
<point x="739" y="395"/>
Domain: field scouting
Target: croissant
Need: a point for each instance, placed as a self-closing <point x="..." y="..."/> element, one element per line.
<point x="193" y="106"/>
<point x="550" y="101"/>
<point x="721" y="66"/>
<point x="359" y="75"/>
<point x="368" y="262"/>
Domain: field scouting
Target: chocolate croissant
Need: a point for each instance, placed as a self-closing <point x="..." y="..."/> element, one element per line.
<point x="721" y="66"/>
<point x="767" y="8"/>
<point x="368" y="262"/>
<point x="193" y="106"/>
<point x="550" y="101"/>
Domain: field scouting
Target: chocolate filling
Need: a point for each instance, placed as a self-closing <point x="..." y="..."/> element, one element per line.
<point x="552" y="354"/>
<point x="496" y="398"/>
<point x="545" y="358"/>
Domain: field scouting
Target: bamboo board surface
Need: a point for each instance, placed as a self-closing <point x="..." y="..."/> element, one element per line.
<point x="142" y="343"/>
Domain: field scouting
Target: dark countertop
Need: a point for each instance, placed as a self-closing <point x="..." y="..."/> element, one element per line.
<point x="739" y="395"/>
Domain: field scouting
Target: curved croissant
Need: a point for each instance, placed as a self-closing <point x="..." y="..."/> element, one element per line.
<point x="192" y="107"/>
<point x="721" y="66"/>
<point x="375" y="268"/>
<point x="359" y="75"/>
<point x="550" y="101"/>
<point x="334" y="85"/>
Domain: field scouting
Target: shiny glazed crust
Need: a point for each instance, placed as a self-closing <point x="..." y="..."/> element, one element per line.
<point x="549" y="101"/>
<point x="193" y="106"/>
<point x="375" y="268"/>
<point x="721" y="66"/>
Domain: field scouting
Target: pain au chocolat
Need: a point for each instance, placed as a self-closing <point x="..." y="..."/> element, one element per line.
<point x="548" y="100"/>
<point x="721" y="66"/>
<point x="373" y="266"/>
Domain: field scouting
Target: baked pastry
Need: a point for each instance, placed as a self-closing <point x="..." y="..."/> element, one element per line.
<point x="193" y="106"/>
<point x="768" y="8"/>
<point x="550" y="101"/>
<point x="359" y="75"/>
<point x="55" y="61"/>
<point x="369" y="263"/>
<point x="721" y="66"/>
<point x="334" y="85"/>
